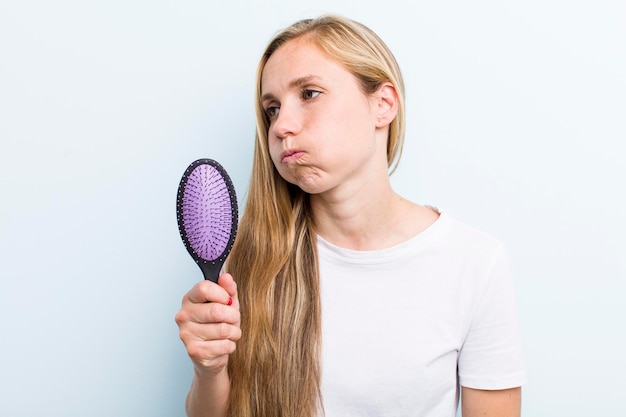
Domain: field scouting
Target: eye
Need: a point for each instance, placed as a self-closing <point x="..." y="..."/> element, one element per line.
<point x="272" y="112"/>
<point x="308" y="94"/>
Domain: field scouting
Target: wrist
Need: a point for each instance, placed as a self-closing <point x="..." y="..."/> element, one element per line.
<point x="210" y="372"/>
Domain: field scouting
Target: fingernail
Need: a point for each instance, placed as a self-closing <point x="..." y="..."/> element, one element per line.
<point x="230" y="301"/>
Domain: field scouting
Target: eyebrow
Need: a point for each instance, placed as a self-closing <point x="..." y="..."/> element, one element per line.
<point x="298" y="82"/>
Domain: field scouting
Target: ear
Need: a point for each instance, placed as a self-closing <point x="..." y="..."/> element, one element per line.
<point x="386" y="104"/>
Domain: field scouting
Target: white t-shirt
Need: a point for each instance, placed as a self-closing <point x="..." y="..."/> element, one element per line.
<point x="402" y="327"/>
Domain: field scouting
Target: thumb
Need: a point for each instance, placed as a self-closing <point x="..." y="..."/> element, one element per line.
<point x="227" y="282"/>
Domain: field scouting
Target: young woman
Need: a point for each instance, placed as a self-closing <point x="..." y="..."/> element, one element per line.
<point x="350" y="300"/>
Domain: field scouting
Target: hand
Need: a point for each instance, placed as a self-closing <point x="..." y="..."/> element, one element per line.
<point x="209" y="323"/>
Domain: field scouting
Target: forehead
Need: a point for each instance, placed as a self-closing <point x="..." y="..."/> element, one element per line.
<point x="296" y="59"/>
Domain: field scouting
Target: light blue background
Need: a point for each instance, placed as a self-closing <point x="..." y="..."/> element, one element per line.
<point x="516" y="125"/>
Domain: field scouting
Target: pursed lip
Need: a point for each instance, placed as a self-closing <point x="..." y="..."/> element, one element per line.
<point x="290" y="155"/>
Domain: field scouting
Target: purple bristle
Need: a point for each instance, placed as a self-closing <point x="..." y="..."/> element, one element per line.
<point x="207" y="212"/>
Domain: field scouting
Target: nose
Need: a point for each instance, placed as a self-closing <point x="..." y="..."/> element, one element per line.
<point x="287" y="122"/>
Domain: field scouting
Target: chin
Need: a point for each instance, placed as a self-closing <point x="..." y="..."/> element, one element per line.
<point x="310" y="183"/>
<point x="311" y="188"/>
<point x="306" y="186"/>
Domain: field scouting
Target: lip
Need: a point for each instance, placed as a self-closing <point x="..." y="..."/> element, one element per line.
<point x="290" y="155"/>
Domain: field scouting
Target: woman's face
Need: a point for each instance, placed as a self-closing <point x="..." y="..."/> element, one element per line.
<point x="323" y="131"/>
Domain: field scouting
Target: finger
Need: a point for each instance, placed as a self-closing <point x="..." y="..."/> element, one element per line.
<point x="207" y="292"/>
<point x="208" y="332"/>
<point x="206" y="313"/>
<point x="211" y="313"/>
<point x="214" y="351"/>
<point x="227" y="282"/>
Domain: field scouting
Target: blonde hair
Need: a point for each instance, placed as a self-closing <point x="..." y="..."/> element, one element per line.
<point x="275" y="370"/>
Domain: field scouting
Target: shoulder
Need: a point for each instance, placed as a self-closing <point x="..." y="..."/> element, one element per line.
<point x="465" y="238"/>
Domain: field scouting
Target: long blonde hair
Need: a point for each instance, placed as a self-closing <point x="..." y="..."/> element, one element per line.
<point x="276" y="368"/>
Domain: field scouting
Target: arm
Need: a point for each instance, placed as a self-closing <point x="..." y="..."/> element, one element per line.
<point x="491" y="403"/>
<point x="491" y="359"/>
<point x="208" y="396"/>
<point x="209" y="327"/>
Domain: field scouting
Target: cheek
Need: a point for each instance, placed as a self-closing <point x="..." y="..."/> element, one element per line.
<point x="275" y="148"/>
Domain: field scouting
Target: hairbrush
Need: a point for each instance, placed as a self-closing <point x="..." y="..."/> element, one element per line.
<point x="207" y="214"/>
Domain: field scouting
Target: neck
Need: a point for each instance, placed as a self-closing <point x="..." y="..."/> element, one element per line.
<point x="373" y="217"/>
